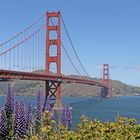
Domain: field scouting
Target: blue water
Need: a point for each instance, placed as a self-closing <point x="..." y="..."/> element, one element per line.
<point x="105" y="109"/>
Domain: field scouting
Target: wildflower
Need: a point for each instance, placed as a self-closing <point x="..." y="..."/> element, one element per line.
<point x="29" y="118"/>
<point x="3" y="125"/>
<point x="63" y="116"/>
<point x="48" y="107"/>
<point x="9" y="109"/>
<point x="68" y="116"/>
<point x="22" y="120"/>
<point x="38" y="112"/>
<point x="9" y="103"/>
<point x="16" y="119"/>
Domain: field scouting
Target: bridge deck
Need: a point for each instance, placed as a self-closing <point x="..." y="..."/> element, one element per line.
<point x="8" y="74"/>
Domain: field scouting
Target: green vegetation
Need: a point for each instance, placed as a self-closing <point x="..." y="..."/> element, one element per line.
<point x="122" y="129"/>
<point x="16" y="123"/>
<point x="31" y="87"/>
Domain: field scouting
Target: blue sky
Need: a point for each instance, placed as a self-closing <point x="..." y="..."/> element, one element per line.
<point x="103" y="31"/>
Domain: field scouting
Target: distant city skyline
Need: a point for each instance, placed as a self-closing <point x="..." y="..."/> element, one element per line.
<point x="103" y="31"/>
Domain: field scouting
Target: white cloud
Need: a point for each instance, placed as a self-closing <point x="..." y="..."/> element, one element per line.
<point x="134" y="67"/>
<point x="100" y="66"/>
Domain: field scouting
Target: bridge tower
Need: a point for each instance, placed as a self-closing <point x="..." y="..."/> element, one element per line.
<point x="53" y="88"/>
<point x="105" y="91"/>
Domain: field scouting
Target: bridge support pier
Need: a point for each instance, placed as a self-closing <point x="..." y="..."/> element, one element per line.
<point x="104" y="92"/>
<point x="53" y="89"/>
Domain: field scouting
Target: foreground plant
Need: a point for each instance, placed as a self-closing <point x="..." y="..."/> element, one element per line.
<point x="3" y="125"/>
<point x="66" y="116"/>
<point x="22" y="120"/>
<point x="9" y="110"/>
<point x="29" y="119"/>
<point x="16" y="120"/>
<point x="38" y="112"/>
<point x="15" y="124"/>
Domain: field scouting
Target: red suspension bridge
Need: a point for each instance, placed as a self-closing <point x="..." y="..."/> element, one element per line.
<point x="30" y="54"/>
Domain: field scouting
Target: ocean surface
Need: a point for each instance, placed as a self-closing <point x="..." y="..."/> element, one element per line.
<point x="105" y="109"/>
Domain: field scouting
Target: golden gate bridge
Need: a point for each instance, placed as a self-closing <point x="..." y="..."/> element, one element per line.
<point x="28" y="56"/>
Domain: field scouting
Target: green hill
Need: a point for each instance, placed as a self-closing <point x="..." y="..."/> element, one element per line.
<point x="70" y="89"/>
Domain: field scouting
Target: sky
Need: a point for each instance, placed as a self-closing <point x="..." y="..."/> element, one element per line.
<point x="103" y="31"/>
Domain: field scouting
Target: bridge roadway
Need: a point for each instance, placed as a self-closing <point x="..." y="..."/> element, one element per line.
<point x="9" y="75"/>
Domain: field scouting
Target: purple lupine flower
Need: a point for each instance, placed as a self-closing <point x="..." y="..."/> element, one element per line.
<point x="48" y="107"/>
<point x="68" y="116"/>
<point x="22" y="120"/>
<point x="3" y="125"/>
<point x="9" y="109"/>
<point x="16" y="119"/>
<point x="29" y="118"/>
<point x="53" y="114"/>
<point x="63" y="116"/>
<point x="9" y="103"/>
<point x="38" y="112"/>
<point x="38" y="107"/>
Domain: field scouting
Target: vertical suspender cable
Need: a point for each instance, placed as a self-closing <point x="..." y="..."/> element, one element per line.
<point x="30" y="53"/>
<point x="18" y="54"/>
<point x="14" y="57"/>
<point x="38" y="49"/>
<point x="68" y="54"/>
<point x="33" y="49"/>
<point x="73" y="46"/>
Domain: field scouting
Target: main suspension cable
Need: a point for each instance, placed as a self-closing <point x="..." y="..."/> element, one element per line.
<point x="70" y="59"/>
<point x="73" y="46"/>
<point x="36" y="21"/>
<point x="22" y="41"/>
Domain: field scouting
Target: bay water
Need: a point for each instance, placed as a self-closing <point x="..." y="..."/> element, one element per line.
<point x="104" y="109"/>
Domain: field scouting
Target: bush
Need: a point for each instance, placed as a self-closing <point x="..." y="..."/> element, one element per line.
<point x="122" y="129"/>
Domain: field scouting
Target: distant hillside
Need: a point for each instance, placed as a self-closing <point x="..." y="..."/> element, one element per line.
<point x="71" y="89"/>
